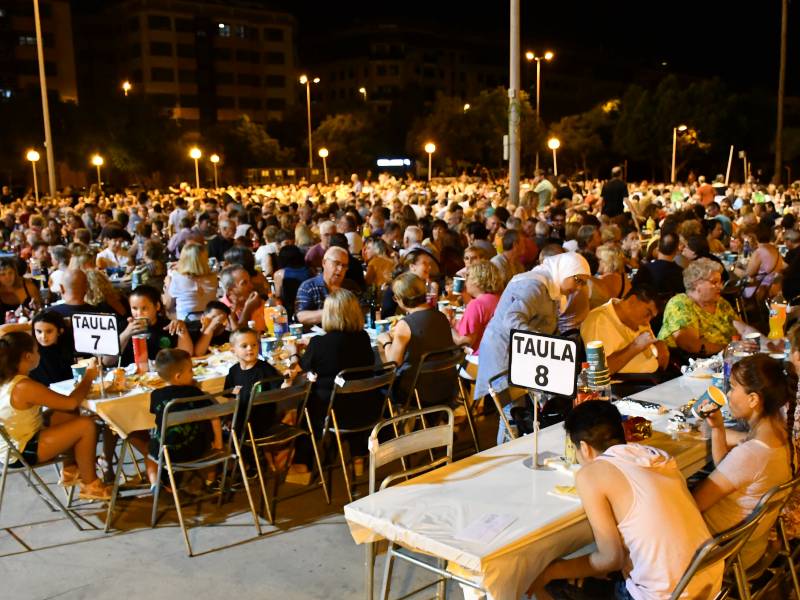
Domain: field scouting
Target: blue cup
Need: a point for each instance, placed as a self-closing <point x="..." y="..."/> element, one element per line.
<point x="268" y="345"/>
<point x="78" y="371"/>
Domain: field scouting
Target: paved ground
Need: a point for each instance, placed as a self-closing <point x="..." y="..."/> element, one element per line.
<point x="308" y="554"/>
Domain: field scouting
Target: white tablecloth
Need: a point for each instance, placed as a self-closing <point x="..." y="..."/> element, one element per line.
<point x="129" y="412"/>
<point x="427" y="513"/>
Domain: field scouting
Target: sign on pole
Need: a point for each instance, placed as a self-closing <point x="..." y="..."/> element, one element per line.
<point x="95" y="334"/>
<point x="545" y="363"/>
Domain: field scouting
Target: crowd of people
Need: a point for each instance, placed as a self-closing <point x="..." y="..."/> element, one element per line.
<point x="661" y="274"/>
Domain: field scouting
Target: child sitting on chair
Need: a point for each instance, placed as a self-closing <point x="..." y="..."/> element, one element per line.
<point x="189" y="441"/>
<point x="241" y="378"/>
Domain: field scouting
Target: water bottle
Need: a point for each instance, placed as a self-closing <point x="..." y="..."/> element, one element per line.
<point x="734" y="352"/>
<point x="280" y="320"/>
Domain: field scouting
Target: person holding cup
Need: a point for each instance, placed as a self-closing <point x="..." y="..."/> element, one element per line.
<point x="42" y="436"/>
<point x="484" y="284"/>
<point x="761" y="387"/>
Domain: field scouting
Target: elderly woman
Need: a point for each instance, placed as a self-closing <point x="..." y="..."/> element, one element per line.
<point x="15" y="290"/>
<point x="423" y="329"/>
<point x="484" y="284"/>
<point x="192" y="284"/>
<point x="240" y="296"/>
<point x="700" y="322"/>
<point x="531" y="301"/>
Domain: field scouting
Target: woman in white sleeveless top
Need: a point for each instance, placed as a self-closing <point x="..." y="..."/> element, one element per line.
<point x="21" y="402"/>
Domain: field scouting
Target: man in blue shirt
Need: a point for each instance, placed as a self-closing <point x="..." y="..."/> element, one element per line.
<point x="312" y="292"/>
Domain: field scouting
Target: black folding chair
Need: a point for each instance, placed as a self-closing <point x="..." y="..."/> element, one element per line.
<point x="375" y="381"/>
<point x="279" y="434"/>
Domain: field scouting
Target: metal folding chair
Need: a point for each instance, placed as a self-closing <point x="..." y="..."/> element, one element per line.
<point x="173" y="417"/>
<point x="514" y="393"/>
<point x="766" y="514"/>
<point x="279" y="434"/>
<point x="437" y="364"/>
<point x="33" y="479"/>
<point x="420" y="441"/>
<point x="357" y="381"/>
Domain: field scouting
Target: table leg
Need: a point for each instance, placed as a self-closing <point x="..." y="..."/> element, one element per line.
<point x="369" y="568"/>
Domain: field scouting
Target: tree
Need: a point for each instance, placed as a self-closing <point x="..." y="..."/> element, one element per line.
<point x="586" y="135"/>
<point x="349" y="138"/>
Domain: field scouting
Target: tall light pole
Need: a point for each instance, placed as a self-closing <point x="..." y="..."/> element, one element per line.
<point x="513" y="106"/>
<point x="33" y="156"/>
<point x="363" y="92"/>
<point x="48" y="138"/>
<point x="214" y="158"/>
<point x="675" y="131"/>
<point x="195" y="154"/>
<point x="430" y="148"/>
<point x="98" y="161"/>
<point x="323" y="154"/>
<point x="554" y="144"/>
<point x="776" y="176"/>
<point x="304" y="80"/>
<point x="531" y="56"/>
<point x="126" y="87"/>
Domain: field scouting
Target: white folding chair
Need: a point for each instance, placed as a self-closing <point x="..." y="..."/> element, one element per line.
<point x="14" y="462"/>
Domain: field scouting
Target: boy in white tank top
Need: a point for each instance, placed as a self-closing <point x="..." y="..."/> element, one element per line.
<point x="644" y="520"/>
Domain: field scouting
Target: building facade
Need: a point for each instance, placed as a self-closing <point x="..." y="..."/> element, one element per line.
<point x="19" y="66"/>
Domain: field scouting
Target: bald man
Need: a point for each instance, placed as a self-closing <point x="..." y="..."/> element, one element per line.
<point x="73" y="288"/>
<point x="312" y="292"/>
<point x="315" y="254"/>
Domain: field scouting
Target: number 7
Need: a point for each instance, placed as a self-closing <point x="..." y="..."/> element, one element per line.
<point x="96" y="339"/>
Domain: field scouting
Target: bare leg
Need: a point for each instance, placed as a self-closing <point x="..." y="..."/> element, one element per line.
<point x="79" y="433"/>
<point x="58" y="417"/>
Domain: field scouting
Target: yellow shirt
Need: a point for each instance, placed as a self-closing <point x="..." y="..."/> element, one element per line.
<point x="603" y="324"/>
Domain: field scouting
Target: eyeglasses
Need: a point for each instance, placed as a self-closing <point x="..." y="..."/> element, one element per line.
<point x="714" y="282"/>
<point x="336" y="263"/>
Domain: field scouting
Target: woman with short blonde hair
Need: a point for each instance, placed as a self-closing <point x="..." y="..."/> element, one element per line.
<point x="193" y="260"/>
<point x="484" y="284"/>
<point x="342" y="312"/>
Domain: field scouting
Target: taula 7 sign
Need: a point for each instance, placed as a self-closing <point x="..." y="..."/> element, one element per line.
<point x="542" y="362"/>
<point x="95" y="334"/>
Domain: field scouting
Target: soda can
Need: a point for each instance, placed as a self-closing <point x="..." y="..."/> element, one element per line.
<point x="140" y="357"/>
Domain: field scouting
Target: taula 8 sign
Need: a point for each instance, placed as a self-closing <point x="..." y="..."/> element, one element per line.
<point x="95" y="334"/>
<point x="542" y="362"/>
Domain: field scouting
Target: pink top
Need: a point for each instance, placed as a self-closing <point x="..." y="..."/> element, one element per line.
<point x="477" y="316"/>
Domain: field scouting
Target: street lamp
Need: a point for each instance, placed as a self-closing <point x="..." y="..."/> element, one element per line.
<point x="554" y="144"/>
<point x="675" y="131"/>
<point x="323" y="154"/>
<point x="467" y="107"/>
<point x="304" y="80"/>
<point x="98" y="161"/>
<point x="33" y="156"/>
<point x="430" y="148"/>
<point x="214" y="158"/>
<point x="531" y="56"/>
<point x="195" y="154"/>
<point x="126" y="87"/>
<point x="363" y="92"/>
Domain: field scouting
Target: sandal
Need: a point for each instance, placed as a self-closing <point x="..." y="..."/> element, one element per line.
<point x="96" y="490"/>
<point x="70" y="476"/>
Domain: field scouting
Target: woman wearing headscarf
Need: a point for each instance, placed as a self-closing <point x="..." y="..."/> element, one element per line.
<point x="530" y="302"/>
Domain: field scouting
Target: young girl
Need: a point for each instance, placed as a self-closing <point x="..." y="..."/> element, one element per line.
<point x="55" y="348"/>
<point x="146" y="318"/>
<point x="21" y="403"/>
<point x="760" y="389"/>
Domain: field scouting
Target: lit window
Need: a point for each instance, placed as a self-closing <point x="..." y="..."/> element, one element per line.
<point x="224" y="30"/>
<point x="27" y="40"/>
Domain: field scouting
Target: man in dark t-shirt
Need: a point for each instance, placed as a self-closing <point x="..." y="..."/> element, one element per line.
<point x="663" y="274"/>
<point x="614" y="193"/>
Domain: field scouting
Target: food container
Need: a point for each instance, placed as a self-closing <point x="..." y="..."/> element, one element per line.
<point x="709" y="401"/>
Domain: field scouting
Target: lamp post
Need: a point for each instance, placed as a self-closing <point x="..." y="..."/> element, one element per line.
<point x="126" y="87"/>
<point x="430" y="148"/>
<point x="304" y="80"/>
<point x="33" y="156"/>
<point x="675" y="131"/>
<point x="531" y="56"/>
<point x="214" y="158"/>
<point x="98" y="161"/>
<point x="195" y="154"/>
<point x="363" y="92"/>
<point x="554" y="144"/>
<point x="323" y="154"/>
<point x="48" y="138"/>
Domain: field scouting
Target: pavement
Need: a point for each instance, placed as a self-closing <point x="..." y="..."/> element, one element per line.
<point x="307" y="554"/>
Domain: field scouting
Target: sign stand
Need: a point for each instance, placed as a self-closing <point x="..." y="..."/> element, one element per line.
<point x="541" y="363"/>
<point x="96" y="334"/>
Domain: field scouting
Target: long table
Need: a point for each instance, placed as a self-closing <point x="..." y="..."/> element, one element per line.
<point x="429" y="513"/>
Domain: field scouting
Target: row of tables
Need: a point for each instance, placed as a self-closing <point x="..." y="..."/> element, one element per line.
<point x="432" y="513"/>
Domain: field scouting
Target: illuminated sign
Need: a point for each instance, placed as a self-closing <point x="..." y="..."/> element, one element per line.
<point x="394" y="162"/>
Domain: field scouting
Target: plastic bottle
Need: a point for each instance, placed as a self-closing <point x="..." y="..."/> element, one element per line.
<point x="280" y="319"/>
<point x="734" y="352"/>
<point x="777" y="317"/>
<point x="746" y="248"/>
<point x="651" y="225"/>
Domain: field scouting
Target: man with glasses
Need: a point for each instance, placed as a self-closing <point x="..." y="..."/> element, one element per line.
<point x="312" y="292"/>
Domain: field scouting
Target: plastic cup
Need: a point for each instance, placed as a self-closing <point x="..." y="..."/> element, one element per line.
<point x="78" y="371"/>
<point x="709" y="401"/>
<point x="458" y="284"/>
<point x="296" y="329"/>
<point x="382" y="326"/>
<point x="596" y="355"/>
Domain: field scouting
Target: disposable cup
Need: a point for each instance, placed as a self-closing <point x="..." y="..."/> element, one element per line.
<point x="709" y="401"/>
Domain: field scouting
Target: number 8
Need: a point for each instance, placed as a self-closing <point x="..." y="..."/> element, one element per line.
<point x="541" y="375"/>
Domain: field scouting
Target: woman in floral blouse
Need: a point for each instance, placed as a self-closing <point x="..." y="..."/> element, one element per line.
<point x="701" y="322"/>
